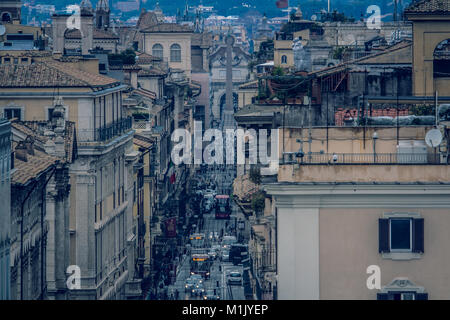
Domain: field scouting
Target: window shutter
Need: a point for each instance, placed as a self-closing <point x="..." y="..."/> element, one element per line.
<point x="418" y="235"/>
<point x="383" y="235"/>
<point x="422" y="296"/>
<point x="382" y="296"/>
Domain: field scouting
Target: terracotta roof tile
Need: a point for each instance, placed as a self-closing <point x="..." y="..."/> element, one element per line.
<point x="32" y="168"/>
<point x="50" y="74"/>
<point x="429" y="7"/>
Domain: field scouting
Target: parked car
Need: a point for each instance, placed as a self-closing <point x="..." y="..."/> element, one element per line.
<point x="235" y="277"/>
<point x="225" y="255"/>
<point x="209" y="295"/>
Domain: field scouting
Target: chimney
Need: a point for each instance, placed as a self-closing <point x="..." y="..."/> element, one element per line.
<point x="21" y="152"/>
<point x="29" y="144"/>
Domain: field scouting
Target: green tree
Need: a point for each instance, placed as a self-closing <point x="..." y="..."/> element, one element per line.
<point x="258" y="202"/>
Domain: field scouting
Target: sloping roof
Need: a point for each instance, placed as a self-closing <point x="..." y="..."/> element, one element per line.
<point x="249" y="85"/>
<point x="150" y="72"/>
<point x="168" y="28"/>
<point x="440" y="7"/>
<point x="36" y="129"/>
<point x="202" y="39"/>
<point x="50" y="73"/>
<point x="97" y="34"/>
<point x="145" y="58"/>
<point x="34" y="166"/>
<point x="143" y="142"/>
<point x="146" y="20"/>
<point x="401" y="53"/>
<point x="145" y="93"/>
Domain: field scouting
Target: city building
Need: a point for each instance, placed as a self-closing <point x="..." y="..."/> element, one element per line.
<point x="100" y="213"/>
<point x="431" y="34"/>
<point x="53" y="140"/>
<point x="172" y="43"/>
<point x="5" y="216"/>
<point x="362" y="197"/>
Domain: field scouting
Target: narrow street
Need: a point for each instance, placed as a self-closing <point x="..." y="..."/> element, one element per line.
<point x="211" y="227"/>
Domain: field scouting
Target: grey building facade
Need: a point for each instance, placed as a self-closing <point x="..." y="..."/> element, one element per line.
<point x="5" y="195"/>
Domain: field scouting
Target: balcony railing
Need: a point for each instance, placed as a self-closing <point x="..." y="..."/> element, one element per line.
<point x="106" y="133"/>
<point x="362" y="158"/>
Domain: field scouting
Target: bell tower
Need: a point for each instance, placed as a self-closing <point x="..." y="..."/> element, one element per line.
<point x="102" y="14"/>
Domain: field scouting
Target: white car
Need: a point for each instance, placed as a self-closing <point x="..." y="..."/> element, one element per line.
<point x="235" y="277"/>
<point x="225" y="255"/>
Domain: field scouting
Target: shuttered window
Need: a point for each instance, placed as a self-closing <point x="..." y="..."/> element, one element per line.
<point x="401" y="235"/>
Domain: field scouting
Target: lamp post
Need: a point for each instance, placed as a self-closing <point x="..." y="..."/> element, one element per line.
<point x="375" y="138"/>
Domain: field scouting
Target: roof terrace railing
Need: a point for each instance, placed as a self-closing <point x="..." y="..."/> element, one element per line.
<point x="363" y="158"/>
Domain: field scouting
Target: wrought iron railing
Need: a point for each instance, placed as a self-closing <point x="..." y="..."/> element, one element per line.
<point x="362" y="158"/>
<point x="107" y="132"/>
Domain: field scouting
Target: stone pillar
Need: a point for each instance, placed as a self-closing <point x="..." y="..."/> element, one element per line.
<point x="229" y="82"/>
<point x="85" y="232"/>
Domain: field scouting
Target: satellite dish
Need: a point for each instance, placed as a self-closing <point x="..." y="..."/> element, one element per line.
<point x="433" y="138"/>
<point x="2" y="30"/>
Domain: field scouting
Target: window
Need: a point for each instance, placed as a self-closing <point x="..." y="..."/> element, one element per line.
<point x="284" y="59"/>
<point x="50" y="113"/>
<point x="402" y="289"/>
<point x="7" y="60"/>
<point x="6" y="17"/>
<point x="158" y="51"/>
<point x="175" y="53"/>
<point x="11" y="113"/>
<point x="399" y="295"/>
<point x="401" y="233"/>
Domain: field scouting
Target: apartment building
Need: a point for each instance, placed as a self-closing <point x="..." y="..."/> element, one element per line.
<point x="101" y="229"/>
<point x="5" y="216"/>
<point x="356" y="199"/>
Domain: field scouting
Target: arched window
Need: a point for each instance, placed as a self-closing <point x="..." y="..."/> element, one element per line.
<point x="175" y="53"/>
<point x="284" y="59"/>
<point x="158" y="51"/>
<point x="441" y="60"/>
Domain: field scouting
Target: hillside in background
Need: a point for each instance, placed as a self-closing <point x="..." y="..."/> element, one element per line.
<point x="352" y="8"/>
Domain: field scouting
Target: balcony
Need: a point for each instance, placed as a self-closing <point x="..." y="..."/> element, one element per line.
<point x="112" y="130"/>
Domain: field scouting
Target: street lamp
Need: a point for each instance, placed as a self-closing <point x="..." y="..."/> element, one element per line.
<point x="375" y="138"/>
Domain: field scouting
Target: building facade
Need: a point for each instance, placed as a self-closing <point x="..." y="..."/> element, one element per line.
<point x="5" y="216"/>
<point x="359" y="205"/>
